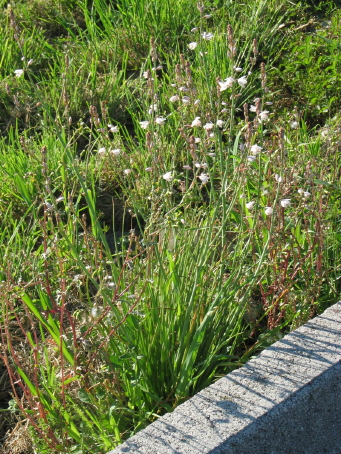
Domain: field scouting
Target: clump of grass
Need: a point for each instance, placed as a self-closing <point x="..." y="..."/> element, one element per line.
<point x="157" y="229"/>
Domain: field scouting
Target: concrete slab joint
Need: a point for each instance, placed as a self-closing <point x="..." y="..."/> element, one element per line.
<point x="287" y="400"/>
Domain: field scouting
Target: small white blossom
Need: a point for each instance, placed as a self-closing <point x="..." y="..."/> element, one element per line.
<point x="253" y="108"/>
<point x="300" y="191"/>
<point x="207" y="16"/>
<point x="196" y="122"/>
<point x="127" y="171"/>
<point x="251" y="158"/>
<point x="264" y="115"/>
<point x="212" y="155"/>
<point x="238" y="70"/>
<point x="242" y="196"/>
<point x="114" y="129"/>
<point x="225" y="84"/>
<point x="115" y="152"/>
<point x="197" y="140"/>
<point x="186" y="100"/>
<point x="306" y="194"/>
<point x="194" y="29"/>
<point x="148" y="169"/>
<point x="160" y="120"/>
<point x="208" y="126"/>
<point x="18" y="72"/>
<point x="255" y="149"/>
<point x="102" y="151"/>
<point x="242" y="81"/>
<point x="153" y="108"/>
<point x="29" y="63"/>
<point x="168" y="176"/>
<point x="174" y="98"/>
<point x="241" y="147"/>
<point x="268" y="103"/>
<point x="196" y="102"/>
<point x="144" y="124"/>
<point x="192" y="46"/>
<point x="220" y="123"/>
<point x="145" y="74"/>
<point x="187" y="167"/>
<point x="250" y="205"/>
<point x="285" y="203"/>
<point x="294" y="124"/>
<point x="224" y="110"/>
<point x="268" y="211"/>
<point x="207" y="36"/>
<point x="278" y="178"/>
<point x="184" y="89"/>
<point x="204" y="178"/>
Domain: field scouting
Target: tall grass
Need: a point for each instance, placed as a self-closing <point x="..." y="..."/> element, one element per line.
<point x="160" y="223"/>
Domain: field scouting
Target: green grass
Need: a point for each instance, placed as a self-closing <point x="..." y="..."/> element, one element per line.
<point x="143" y="254"/>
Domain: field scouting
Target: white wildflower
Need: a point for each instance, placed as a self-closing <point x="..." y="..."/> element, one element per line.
<point x="160" y="120"/>
<point x="220" y="123"/>
<point x="207" y="36"/>
<point x="195" y="29"/>
<point x="187" y="167"/>
<point x="186" y="100"/>
<point x="145" y="74"/>
<point x="225" y="84"/>
<point x="255" y="149"/>
<point x="192" y="46"/>
<point x="300" y="191"/>
<point x="184" y="89"/>
<point x="102" y="151"/>
<point x="278" y="178"/>
<point x="144" y="124"/>
<point x="241" y="147"/>
<point x="306" y="194"/>
<point x="174" y="98"/>
<point x="168" y="176"/>
<point x="242" y="196"/>
<point x="268" y="211"/>
<point x="208" y="126"/>
<point x="197" y="140"/>
<point x="196" y="102"/>
<point x="212" y="155"/>
<point x="294" y="124"/>
<point x="242" y="81"/>
<point x="251" y="158"/>
<point x="153" y="108"/>
<point x="238" y="70"/>
<point x="114" y="129"/>
<point x="148" y="169"/>
<point x="18" y="72"/>
<point x="115" y="152"/>
<point x="264" y="115"/>
<point x="196" y="122"/>
<point x="253" y="108"/>
<point x="285" y="203"/>
<point x="204" y="178"/>
<point x="127" y="171"/>
<point x="268" y="103"/>
<point x="250" y="205"/>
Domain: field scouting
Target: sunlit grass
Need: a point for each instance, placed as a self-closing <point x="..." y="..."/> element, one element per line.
<point x="164" y="212"/>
